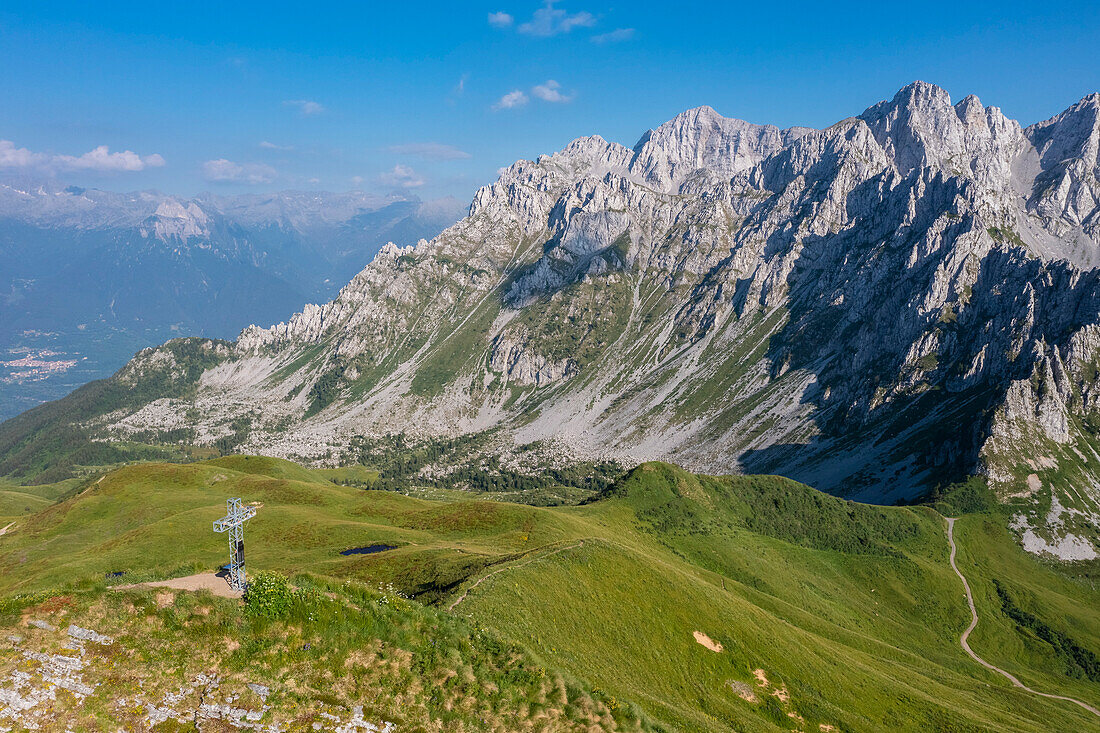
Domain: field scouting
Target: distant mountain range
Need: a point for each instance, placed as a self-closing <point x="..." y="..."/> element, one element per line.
<point x="904" y="300"/>
<point x="88" y="277"/>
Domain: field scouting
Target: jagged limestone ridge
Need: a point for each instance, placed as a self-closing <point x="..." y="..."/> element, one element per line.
<point x="865" y="307"/>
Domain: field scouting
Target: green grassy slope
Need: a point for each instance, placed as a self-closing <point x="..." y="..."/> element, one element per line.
<point x="850" y="612"/>
<point x="863" y="633"/>
<point x="157" y="518"/>
<point x="16" y="503"/>
<point x="17" y="500"/>
<point x="338" y="647"/>
<point x="989" y="557"/>
<point x="271" y="467"/>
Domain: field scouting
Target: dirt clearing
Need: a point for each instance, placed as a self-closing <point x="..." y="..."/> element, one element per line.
<point x="201" y="581"/>
<point x="706" y="641"/>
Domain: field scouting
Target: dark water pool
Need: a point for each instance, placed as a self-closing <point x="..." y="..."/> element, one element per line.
<point x="368" y="549"/>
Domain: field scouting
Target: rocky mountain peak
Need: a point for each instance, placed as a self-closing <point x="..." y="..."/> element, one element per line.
<point x="920" y="127"/>
<point x="174" y="219"/>
<point x="701" y="138"/>
<point x="1066" y="188"/>
<point x="1075" y="133"/>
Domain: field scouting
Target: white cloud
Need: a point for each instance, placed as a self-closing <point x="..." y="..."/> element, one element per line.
<point x="357" y="180"/>
<point x="549" y="21"/>
<point x="272" y="146"/>
<point x="226" y="171"/>
<point x="512" y="99"/>
<point x="430" y="151"/>
<point x="102" y="159"/>
<point x="99" y="159"/>
<point x="500" y="20"/>
<point x="306" y="106"/>
<point x="551" y="92"/>
<point x="13" y="157"/>
<point x="615" y="36"/>
<point x="402" y="176"/>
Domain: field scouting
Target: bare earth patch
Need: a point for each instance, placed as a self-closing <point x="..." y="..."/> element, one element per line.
<point x="706" y="641"/>
<point x="201" y="581"/>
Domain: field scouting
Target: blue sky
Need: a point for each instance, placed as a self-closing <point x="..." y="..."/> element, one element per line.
<point x="433" y="98"/>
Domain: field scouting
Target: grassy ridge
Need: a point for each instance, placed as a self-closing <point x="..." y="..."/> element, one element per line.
<point x="862" y="640"/>
<point x="849" y="612"/>
<point x="157" y="517"/>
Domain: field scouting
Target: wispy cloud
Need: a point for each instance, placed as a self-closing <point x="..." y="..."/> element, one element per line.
<point x="307" y="107"/>
<point x="548" y="91"/>
<point x="500" y="20"/>
<point x="226" y="171"/>
<point x="402" y="176"/>
<point x="99" y="159"/>
<point x="616" y="36"/>
<point x="430" y="151"/>
<point x="551" y="21"/>
<point x="551" y="92"/>
<point x="458" y="90"/>
<point x="511" y="100"/>
<point x="272" y="146"/>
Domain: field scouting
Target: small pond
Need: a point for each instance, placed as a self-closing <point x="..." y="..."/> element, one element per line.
<point x="368" y="549"/>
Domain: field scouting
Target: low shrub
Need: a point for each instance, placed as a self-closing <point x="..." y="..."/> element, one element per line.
<point x="269" y="595"/>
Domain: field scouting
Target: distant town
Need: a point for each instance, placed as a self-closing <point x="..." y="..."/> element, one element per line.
<point x="33" y="365"/>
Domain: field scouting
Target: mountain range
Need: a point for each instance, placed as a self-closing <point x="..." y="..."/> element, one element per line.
<point x="90" y="277"/>
<point x="904" y="301"/>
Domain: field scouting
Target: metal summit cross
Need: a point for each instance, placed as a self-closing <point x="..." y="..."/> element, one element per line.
<point x="232" y="522"/>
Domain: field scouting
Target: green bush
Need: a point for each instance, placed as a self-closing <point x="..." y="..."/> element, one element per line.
<point x="269" y="595"/>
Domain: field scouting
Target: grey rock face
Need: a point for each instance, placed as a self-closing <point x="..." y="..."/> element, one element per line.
<point x="1067" y="192"/>
<point x="512" y="357"/>
<point x="904" y="299"/>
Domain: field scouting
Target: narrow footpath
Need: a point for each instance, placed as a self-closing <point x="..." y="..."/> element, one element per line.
<point x="974" y="623"/>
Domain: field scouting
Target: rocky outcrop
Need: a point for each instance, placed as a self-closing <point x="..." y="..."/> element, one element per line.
<point x="512" y="356"/>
